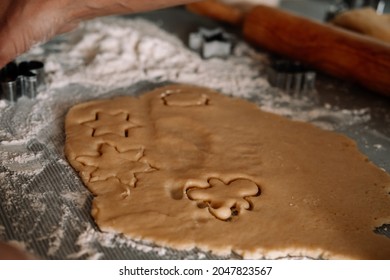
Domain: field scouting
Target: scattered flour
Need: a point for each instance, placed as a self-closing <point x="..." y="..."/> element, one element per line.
<point x="378" y="146"/>
<point x="3" y="104"/>
<point x="55" y="240"/>
<point x="79" y="199"/>
<point x="24" y="163"/>
<point x="104" y="57"/>
<point x="90" y="237"/>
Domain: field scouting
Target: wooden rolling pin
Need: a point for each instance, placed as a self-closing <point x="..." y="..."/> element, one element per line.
<point x="217" y="10"/>
<point x="340" y="53"/>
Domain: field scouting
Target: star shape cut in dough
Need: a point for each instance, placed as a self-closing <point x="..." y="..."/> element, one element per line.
<point x="225" y="200"/>
<point x="112" y="163"/>
<point x="118" y="124"/>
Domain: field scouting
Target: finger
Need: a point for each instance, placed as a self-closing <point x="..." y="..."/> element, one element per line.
<point x="24" y="27"/>
<point x="9" y="252"/>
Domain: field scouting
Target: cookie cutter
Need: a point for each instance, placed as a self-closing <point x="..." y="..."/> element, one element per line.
<point x="291" y="76"/>
<point x="211" y="42"/>
<point x="23" y="79"/>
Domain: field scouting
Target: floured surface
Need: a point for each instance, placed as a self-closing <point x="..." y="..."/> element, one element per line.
<point x="186" y="167"/>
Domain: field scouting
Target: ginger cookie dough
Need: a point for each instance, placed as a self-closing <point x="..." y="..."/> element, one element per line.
<point x="365" y="21"/>
<point x="186" y="167"/>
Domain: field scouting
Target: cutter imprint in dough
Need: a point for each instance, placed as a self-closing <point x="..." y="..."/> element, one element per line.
<point x="116" y="124"/>
<point x="225" y="200"/>
<point x="185" y="167"/>
<point x="123" y="165"/>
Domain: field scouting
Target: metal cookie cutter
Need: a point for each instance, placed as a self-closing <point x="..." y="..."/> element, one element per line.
<point x="211" y="42"/>
<point x="24" y="79"/>
<point x="291" y="76"/>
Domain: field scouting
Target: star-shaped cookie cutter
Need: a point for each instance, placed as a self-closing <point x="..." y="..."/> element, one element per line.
<point x="23" y="79"/>
<point x="211" y="42"/>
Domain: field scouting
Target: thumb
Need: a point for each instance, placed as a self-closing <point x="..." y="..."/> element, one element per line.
<point x="23" y="27"/>
<point x="10" y="47"/>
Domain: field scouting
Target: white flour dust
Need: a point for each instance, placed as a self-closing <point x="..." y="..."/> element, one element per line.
<point x="119" y="53"/>
<point x="88" y="240"/>
<point x="48" y="204"/>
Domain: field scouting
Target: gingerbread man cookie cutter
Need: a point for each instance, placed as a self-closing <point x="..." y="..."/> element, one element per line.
<point x="292" y="76"/>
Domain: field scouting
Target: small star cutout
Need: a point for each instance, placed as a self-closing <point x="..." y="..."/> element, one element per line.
<point x="225" y="200"/>
<point x="116" y="124"/>
<point x="112" y="163"/>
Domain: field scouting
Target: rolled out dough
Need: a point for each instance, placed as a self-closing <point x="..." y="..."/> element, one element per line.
<point x="186" y="167"/>
<point x="365" y="21"/>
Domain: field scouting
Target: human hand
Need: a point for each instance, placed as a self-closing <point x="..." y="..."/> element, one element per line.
<point x="9" y="252"/>
<point x="24" y="23"/>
